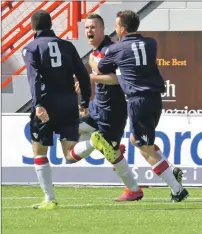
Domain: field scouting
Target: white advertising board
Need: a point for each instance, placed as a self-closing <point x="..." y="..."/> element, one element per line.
<point x="179" y="139"/>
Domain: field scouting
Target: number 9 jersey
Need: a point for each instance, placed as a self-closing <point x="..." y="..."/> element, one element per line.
<point x="51" y="64"/>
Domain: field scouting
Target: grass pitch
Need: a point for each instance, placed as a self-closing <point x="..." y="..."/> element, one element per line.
<point x="84" y="210"/>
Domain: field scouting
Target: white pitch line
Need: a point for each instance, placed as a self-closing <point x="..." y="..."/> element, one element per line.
<point x="97" y="198"/>
<point x="19" y="198"/>
<point x="95" y="204"/>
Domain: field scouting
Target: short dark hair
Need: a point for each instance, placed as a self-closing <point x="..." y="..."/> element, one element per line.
<point x="129" y="20"/>
<point x="96" y="16"/>
<point x="41" y="20"/>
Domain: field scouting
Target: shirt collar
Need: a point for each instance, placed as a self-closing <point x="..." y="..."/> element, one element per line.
<point x="127" y="37"/>
<point x="44" y="33"/>
<point x="106" y="40"/>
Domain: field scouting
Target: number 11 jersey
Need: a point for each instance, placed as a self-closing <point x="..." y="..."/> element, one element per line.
<point x="135" y="59"/>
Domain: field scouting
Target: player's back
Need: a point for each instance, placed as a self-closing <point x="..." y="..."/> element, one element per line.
<point x="51" y="64"/>
<point x="137" y="65"/>
<point x="55" y="62"/>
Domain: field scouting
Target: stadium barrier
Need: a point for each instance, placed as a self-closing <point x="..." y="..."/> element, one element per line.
<point x="179" y="138"/>
<point x="16" y="37"/>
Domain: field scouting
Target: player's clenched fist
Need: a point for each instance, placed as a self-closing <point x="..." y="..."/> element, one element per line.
<point x="42" y="114"/>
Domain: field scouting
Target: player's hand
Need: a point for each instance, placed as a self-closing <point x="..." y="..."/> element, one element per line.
<point x="42" y="114"/>
<point x="77" y="87"/>
<point x="83" y="111"/>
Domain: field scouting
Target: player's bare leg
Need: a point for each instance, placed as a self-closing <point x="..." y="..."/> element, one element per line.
<point x="116" y="157"/>
<point x="43" y="172"/>
<point x="161" y="167"/>
<point x="67" y="146"/>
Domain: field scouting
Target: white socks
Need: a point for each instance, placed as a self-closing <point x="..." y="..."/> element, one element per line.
<point x="82" y="150"/>
<point x="159" y="152"/>
<point x="163" y="170"/>
<point x="43" y="172"/>
<point x="124" y="172"/>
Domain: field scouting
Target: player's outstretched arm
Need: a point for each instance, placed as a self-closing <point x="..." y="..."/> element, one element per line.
<point x="82" y="75"/>
<point x="108" y="79"/>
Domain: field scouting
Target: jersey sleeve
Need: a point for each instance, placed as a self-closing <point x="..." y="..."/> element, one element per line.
<point x="107" y="64"/>
<point x="83" y="77"/>
<point x="33" y="76"/>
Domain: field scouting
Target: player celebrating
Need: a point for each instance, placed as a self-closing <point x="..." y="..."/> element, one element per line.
<point x="107" y="112"/>
<point x="134" y="57"/>
<point x="51" y="64"/>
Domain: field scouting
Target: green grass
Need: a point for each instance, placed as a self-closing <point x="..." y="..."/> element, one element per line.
<point x="86" y="210"/>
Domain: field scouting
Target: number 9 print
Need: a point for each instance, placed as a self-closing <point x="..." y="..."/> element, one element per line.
<point x="55" y="54"/>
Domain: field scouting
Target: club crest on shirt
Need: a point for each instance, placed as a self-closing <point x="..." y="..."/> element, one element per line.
<point x="35" y="135"/>
<point x="43" y="87"/>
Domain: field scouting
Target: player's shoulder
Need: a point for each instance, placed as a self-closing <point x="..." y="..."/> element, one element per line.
<point x="68" y="46"/>
<point x="29" y="50"/>
<point x="149" y="40"/>
<point x="31" y="47"/>
<point x="113" y="47"/>
<point x="66" y="42"/>
<point x="108" y="40"/>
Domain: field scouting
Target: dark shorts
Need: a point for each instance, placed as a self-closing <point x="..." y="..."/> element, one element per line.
<point x="64" y="120"/>
<point x="111" y="126"/>
<point x="144" y="114"/>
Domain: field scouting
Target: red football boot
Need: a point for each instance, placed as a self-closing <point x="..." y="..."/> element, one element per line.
<point x="130" y="195"/>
